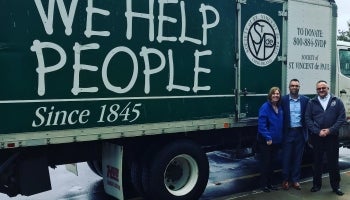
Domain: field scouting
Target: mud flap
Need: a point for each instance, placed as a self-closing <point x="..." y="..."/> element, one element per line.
<point x="33" y="174"/>
<point x="112" y="156"/>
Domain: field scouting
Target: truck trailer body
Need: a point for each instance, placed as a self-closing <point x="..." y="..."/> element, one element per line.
<point x="141" y="90"/>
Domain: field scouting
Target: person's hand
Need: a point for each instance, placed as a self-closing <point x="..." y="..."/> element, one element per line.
<point x="324" y="132"/>
<point x="269" y="142"/>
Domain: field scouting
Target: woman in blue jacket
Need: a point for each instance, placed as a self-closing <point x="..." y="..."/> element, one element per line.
<point x="270" y="128"/>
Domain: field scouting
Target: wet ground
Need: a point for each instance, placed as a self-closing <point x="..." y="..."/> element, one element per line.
<point x="245" y="186"/>
<point x="230" y="178"/>
<point x="324" y="194"/>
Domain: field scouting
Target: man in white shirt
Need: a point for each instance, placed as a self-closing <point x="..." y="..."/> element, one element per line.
<point x="324" y="116"/>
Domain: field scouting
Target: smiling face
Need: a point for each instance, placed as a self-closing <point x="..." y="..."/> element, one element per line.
<point x="322" y="89"/>
<point x="294" y="87"/>
<point x="274" y="95"/>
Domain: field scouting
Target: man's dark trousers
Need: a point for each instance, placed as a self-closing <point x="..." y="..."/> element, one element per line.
<point x="328" y="145"/>
<point x="293" y="148"/>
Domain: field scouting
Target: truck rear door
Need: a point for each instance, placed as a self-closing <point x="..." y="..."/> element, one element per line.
<point x="260" y="42"/>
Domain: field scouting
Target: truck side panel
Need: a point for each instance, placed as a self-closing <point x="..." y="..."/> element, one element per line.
<point x="81" y="64"/>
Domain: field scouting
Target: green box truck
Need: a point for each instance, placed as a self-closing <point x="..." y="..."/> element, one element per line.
<point x="142" y="89"/>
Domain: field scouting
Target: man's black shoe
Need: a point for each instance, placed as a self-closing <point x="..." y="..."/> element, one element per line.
<point x="338" y="192"/>
<point x="315" y="188"/>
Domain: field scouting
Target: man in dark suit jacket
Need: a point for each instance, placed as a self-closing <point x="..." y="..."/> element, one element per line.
<point x="295" y="135"/>
<point x="324" y="116"/>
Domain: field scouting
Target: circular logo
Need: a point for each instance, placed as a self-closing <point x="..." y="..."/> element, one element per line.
<point x="261" y="40"/>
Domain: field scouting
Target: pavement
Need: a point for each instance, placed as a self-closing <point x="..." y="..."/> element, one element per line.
<point x="304" y="194"/>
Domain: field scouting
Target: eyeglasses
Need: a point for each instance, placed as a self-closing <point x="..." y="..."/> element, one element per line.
<point x="321" y="88"/>
<point x="294" y="86"/>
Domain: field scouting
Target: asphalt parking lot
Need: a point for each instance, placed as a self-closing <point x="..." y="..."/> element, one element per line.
<point x="324" y="194"/>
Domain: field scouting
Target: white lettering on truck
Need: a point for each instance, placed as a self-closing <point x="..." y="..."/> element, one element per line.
<point x="50" y="116"/>
<point x="68" y="19"/>
<point x="53" y="118"/>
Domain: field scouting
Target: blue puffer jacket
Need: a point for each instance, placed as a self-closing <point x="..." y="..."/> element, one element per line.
<point x="270" y="124"/>
<point x="333" y="117"/>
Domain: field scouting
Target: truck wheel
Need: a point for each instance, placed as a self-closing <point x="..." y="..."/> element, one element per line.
<point x="178" y="171"/>
<point x="137" y="166"/>
<point x="96" y="167"/>
<point x="136" y="175"/>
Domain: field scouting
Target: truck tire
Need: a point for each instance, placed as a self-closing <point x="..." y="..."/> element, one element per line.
<point x="178" y="171"/>
<point x="96" y="167"/>
<point x="136" y="176"/>
<point x="137" y="166"/>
